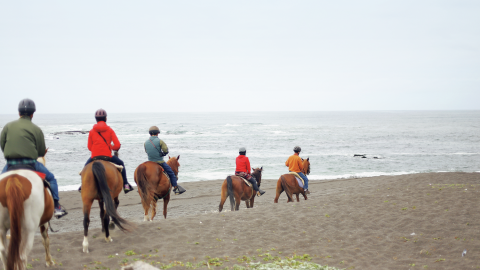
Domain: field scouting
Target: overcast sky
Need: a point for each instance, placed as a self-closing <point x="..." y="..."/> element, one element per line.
<point x="155" y="56"/>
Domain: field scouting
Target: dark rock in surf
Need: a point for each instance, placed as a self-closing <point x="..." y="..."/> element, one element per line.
<point x="72" y="132"/>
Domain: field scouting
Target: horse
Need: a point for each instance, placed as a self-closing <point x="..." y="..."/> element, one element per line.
<point x="153" y="185"/>
<point x="102" y="181"/>
<point x="289" y="184"/>
<point x="235" y="188"/>
<point x="26" y="204"/>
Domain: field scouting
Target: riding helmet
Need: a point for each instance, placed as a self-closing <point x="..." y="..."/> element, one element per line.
<point x="26" y="107"/>
<point x="297" y="149"/>
<point x="153" y="130"/>
<point x="101" y="113"/>
<point x="242" y="150"/>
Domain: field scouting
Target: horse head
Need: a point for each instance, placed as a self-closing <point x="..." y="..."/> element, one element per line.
<point x="257" y="173"/>
<point x="174" y="164"/>
<point x="42" y="159"/>
<point x="306" y="166"/>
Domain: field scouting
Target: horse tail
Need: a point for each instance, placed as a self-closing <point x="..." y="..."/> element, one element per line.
<point x="15" y="199"/>
<point x="286" y="188"/>
<point x="143" y="184"/>
<point x="102" y="186"/>
<point x="230" y="192"/>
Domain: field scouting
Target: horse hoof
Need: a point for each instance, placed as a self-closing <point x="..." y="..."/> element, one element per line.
<point x="109" y="239"/>
<point x="111" y="226"/>
<point x="85" y="250"/>
<point x="50" y="263"/>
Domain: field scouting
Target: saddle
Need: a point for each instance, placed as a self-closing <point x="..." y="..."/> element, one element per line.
<point x="300" y="181"/>
<point x="46" y="184"/>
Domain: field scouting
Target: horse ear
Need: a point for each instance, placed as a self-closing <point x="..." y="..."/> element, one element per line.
<point x="178" y="157"/>
<point x="168" y="156"/>
<point x="308" y="159"/>
<point x="46" y="150"/>
<point x="261" y="168"/>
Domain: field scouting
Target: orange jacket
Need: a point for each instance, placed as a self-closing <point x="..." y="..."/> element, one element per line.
<point x="294" y="163"/>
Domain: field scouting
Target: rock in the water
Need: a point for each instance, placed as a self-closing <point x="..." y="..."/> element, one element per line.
<point x="139" y="265"/>
<point x="71" y="132"/>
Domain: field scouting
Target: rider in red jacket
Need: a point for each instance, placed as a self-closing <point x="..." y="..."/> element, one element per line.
<point x="100" y="141"/>
<point x="243" y="170"/>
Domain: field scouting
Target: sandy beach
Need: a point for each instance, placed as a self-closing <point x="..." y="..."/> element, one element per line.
<point x="418" y="221"/>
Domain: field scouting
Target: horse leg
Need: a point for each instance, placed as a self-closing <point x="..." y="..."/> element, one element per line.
<point x="223" y="197"/>
<point x="279" y="191"/>
<point x="154" y="210"/>
<point x="304" y="195"/>
<point x="30" y="235"/>
<point x="146" y="209"/>
<point x="247" y="203"/>
<point x="298" y="200"/>
<point x="3" y="241"/>
<point x="238" y="199"/>
<point x="86" y="221"/>
<point x="111" y="226"/>
<point x="46" y="244"/>
<point x="105" y="221"/>
<point x="102" y="214"/>
<point x="165" y="203"/>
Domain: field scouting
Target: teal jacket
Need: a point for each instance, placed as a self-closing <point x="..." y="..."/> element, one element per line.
<point x="22" y="139"/>
<point x="154" y="152"/>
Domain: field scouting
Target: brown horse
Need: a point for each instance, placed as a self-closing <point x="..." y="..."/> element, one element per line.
<point x="26" y="204"/>
<point x="102" y="181"/>
<point x="153" y="185"/>
<point x="289" y="184"/>
<point x="235" y="188"/>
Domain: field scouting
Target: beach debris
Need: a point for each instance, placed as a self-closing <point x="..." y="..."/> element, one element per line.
<point x="139" y="265"/>
<point x="412" y="234"/>
<point x="464" y="253"/>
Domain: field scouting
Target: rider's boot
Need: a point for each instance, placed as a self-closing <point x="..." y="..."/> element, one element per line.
<point x="127" y="188"/>
<point x="59" y="210"/>
<point x="260" y="192"/>
<point x="178" y="190"/>
<point x="306" y="191"/>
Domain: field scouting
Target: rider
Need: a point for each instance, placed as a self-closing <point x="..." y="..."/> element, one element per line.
<point x="295" y="164"/>
<point x="22" y="142"/>
<point x="156" y="149"/>
<point x="243" y="170"/>
<point x="100" y="141"/>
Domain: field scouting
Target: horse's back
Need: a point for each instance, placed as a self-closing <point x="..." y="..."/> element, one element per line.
<point x="113" y="178"/>
<point x="32" y="191"/>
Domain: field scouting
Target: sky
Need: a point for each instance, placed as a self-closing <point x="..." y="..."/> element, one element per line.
<point x="216" y="55"/>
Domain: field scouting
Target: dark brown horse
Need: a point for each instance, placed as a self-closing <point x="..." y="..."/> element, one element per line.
<point x="235" y="188"/>
<point x="289" y="184"/>
<point x="102" y="181"/>
<point x="153" y="185"/>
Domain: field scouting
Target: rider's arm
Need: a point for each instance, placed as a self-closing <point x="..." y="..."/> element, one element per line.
<point x="3" y="139"/>
<point x="164" y="147"/>
<point x="300" y="164"/>
<point x="90" y="141"/>
<point x="248" y="165"/>
<point x="116" y="142"/>
<point x="40" y="142"/>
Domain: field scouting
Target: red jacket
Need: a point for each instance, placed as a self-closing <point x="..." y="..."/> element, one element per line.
<point x="243" y="164"/>
<point x="97" y="145"/>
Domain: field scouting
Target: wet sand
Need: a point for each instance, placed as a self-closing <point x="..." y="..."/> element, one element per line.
<point x="385" y="222"/>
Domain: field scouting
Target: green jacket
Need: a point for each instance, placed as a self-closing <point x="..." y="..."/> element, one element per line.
<point x="22" y="139"/>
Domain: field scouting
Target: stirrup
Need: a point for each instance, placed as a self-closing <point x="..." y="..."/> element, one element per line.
<point x="179" y="190"/>
<point x="260" y="192"/>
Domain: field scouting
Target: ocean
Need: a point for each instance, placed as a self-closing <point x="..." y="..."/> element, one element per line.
<point x="393" y="142"/>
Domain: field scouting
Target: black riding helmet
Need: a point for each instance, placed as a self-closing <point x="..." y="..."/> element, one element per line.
<point x="26" y="107"/>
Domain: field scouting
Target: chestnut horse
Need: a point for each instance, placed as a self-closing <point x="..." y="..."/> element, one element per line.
<point x="153" y="185"/>
<point x="26" y="204"/>
<point x="102" y="181"/>
<point x="235" y="188"/>
<point x="289" y="184"/>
